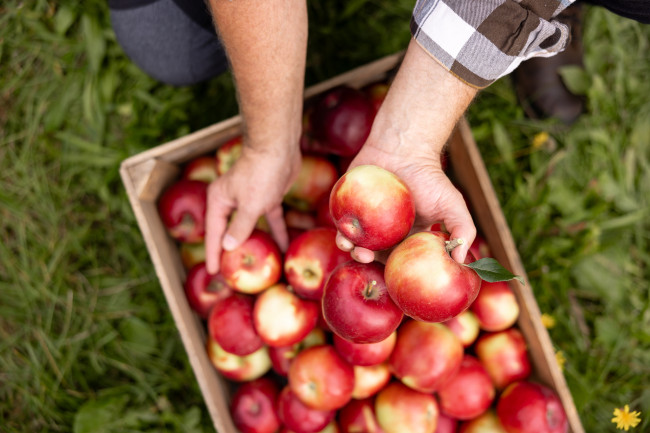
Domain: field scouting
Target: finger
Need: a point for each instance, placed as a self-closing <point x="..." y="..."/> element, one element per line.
<point x="343" y="243"/>
<point x="217" y="215"/>
<point x="240" y="228"/>
<point x="462" y="227"/>
<point x="362" y="255"/>
<point x="275" y="218"/>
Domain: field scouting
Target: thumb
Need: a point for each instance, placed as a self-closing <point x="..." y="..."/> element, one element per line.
<point x="460" y="225"/>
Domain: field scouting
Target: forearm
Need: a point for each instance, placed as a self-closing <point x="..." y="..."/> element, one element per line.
<point x="266" y="43"/>
<point x="421" y="109"/>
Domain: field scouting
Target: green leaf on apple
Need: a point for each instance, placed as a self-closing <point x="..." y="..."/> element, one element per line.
<point x="491" y="271"/>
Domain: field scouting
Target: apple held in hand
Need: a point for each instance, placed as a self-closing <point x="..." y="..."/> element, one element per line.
<point x="321" y="379"/>
<point x="281" y="318"/>
<point x="356" y="304"/>
<point x="300" y="418"/>
<point x="426" y="283"/>
<point x="372" y="207"/>
<point x="253" y="266"/>
<point x="468" y="393"/>
<point x="401" y="409"/>
<point x="310" y="259"/>
<point x="504" y="355"/>
<point x="496" y="306"/>
<point x="238" y="368"/>
<point x="253" y="407"/>
<point x="527" y="407"/>
<point x="203" y="290"/>
<point x="182" y="209"/>
<point x="231" y="325"/>
<point x="425" y="355"/>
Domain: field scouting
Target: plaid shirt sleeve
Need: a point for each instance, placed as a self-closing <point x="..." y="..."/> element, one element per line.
<point x="480" y="41"/>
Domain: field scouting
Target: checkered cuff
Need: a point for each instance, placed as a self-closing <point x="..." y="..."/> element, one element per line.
<point x="482" y="40"/>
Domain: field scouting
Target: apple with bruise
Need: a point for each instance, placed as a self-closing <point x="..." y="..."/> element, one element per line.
<point x="468" y="393"/>
<point x="321" y="379"/>
<point x="400" y="409"/>
<point x="253" y="406"/>
<point x="310" y="259"/>
<point x="372" y="207"/>
<point x="426" y="283"/>
<point x="365" y="354"/>
<point x="231" y="325"/>
<point x="300" y="418"/>
<point x="182" y="208"/>
<point x="425" y="355"/>
<point x="281" y="318"/>
<point x="528" y="407"/>
<point x="504" y="355"/>
<point x="496" y="307"/>
<point x="203" y="290"/>
<point x="369" y="380"/>
<point x="238" y="368"/>
<point x="254" y="265"/>
<point x="356" y="303"/>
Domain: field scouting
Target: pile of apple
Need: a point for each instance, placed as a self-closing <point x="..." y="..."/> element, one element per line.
<point x="317" y="342"/>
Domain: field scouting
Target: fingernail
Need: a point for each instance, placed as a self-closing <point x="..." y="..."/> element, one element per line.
<point x="229" y="243"/>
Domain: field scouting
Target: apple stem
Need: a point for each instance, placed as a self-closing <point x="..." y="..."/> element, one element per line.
<point x="450" y="245"/>
<point x="369" y="289"/>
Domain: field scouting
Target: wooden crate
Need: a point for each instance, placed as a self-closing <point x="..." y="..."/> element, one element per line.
<point x="146" y="175"/>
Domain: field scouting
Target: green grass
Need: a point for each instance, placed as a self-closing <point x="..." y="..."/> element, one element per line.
<point x="87" y="343"/>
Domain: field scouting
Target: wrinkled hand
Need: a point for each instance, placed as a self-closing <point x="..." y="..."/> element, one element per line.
<point x="253" y="187"/>
<point x="436" y="199"/>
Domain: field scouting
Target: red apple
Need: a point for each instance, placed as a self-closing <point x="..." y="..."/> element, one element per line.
<point x="504" y="355"/>
<point x="300" y="418"/>
<point x="281" y="357"/>
<point x="401" y="409"/>
<point x="372" y="207"/>
<point x="321" y="379"/>
<point x="323" y="215"/>
<point x="465" y="327"/>
<point x="281" y="318"/>
<point x="376" y="93"/>
<point x="253" y="407"/>
<point x="527" y="407"/>
<point x="203" y="168"/>
<point x="231" y="325"/>
<point x="332" y="427"/>
<point x="358" y="416"/>
<point x="227" y="154"/>
<point x="204" y="290"/>
<point x="342" y="119"/>
<point x="316" y="177"/>
<point x="426" y="283"/>
<point x="369" y="380"/>
<point x="182" y="209"/>
<point x="495" y="307"/>
<point x="480" y="248"/>
<point x="365" y="354"/>
<point x="310" y="259"/>
<point x="297" y="219"/>
<point x="356" y="304"/>
<point x="192" y="254"/>
<point x="425" y="355"/>
<point x="486" y="423"/>
<point x="446" y="424"/>
<point x="239" y="368"/>
<point x="468" y="393"/>
<point x="253" y="266"/>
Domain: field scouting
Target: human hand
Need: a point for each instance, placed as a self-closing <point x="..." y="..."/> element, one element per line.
<point x="253" y="187"/>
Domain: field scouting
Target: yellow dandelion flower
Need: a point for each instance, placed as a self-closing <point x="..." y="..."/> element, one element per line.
<point x="561" y="359"/>
<point x="548" y="321"/>
<point x="625" y="419"/>
<point x="540" y="139"/>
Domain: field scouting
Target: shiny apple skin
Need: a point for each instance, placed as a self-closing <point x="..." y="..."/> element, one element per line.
<point x="496" y="306"/>
<point x="204" y="290"/>
<point x="372" y="207"/>
<point x="528" y="407"/>
<point x="369" y="380"/>
<point x="468" y="393"/>
<point x="426" y="283"/>
<point x="253" y="406"/>
<point x="182" y="207"/>
<point x="231" y="325"/>
<point x="310" y="259"/>
<point x="321" y="379"/>
<point x="365" y="354"/>
<point x="358" y="416"/>
<point x="400" y="409"/>
<point x="238" y="368"/>
<point x="300" y="418"/>
<point x="253" y="266"/>
<point x="356" y="303"/>
<point x="504" y="355"/>
<point x="425" y="355"/>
